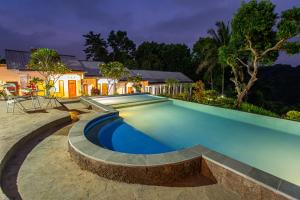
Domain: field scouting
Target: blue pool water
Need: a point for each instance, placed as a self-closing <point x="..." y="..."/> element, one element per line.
<point x="122" y="137"/>
<point x="269" y="144"/>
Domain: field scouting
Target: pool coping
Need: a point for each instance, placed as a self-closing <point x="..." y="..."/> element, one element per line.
<point x="83" y="147"/>
<point x="126" y="104"/>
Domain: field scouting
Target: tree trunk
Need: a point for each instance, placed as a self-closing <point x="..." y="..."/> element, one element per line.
<point x="110" y="86"/>
<point x="114" y="88"/>
<point x="240" y="98"/>
<point x="47" y="88"/>
<point x="245" y="91"/>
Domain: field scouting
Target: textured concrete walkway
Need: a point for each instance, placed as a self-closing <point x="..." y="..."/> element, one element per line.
<point x="15" y="126"/>
<point x="49" y="173"/>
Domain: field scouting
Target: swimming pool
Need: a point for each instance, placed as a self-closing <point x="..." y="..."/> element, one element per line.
<point x="269" y="144"/>
<point x="125" y="99"/>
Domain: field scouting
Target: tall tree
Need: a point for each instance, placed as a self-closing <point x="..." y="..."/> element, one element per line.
<point x="47" y="62"/>
<point x="148" y="56"/>
<point x="205" y="54"/>
<point x="176" y="57"/>
<point x="123" y="48"/>
<point x="258" y="35"/>
<point x="221" y="36"/>
<point x="164" y="57"/>
<point x="96" y="47"/>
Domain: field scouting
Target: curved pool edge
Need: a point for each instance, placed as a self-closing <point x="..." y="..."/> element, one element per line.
<point x="158" y="169"/>
<point x="152" y="169"/>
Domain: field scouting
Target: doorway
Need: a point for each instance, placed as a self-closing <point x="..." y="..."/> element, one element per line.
<point x="72" y="88"/>
<point x="104" y="89"/>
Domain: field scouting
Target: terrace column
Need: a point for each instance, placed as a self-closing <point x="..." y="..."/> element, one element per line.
<point x="173" y="89"/>
<point x="180" y="89"/>
<point x="101" y="89"/>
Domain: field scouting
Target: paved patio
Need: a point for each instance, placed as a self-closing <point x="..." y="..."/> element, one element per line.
<point x="14" y="126"/>
<point x="49" y="173"/>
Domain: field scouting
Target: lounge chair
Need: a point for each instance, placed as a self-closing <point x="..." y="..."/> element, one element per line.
<point x="12" y="101"/>
<point x="52" y="99"/>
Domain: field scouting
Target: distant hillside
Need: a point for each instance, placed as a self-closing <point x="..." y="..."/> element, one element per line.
<point x="277" y="88"/>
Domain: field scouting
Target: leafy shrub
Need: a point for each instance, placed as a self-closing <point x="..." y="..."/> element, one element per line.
<point x="198" y="92"/>
<point x="211" y="94"/>
<point x="293" y="115"/>
<point x="211" y="97"/>
<point x="2" y="92"/>
<point x="182" y="96"/>
<point x="224" y="102"/>
<point x="257" y="110"/>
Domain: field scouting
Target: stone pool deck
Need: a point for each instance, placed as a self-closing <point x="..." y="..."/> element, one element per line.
<point x="15" y="126"/>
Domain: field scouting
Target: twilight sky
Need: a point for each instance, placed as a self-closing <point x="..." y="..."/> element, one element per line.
<point x="60" y="24"/>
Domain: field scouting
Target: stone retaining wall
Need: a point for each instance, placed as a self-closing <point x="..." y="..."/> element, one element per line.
<point x="150" y="175"/>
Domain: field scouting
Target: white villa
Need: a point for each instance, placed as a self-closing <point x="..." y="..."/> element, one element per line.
<point x="85" y="78"/>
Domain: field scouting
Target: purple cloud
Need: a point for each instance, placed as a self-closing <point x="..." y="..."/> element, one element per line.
<point x="61" y="24"/>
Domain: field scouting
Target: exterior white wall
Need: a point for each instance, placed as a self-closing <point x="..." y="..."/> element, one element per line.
<point x="110" y="86"/>
<point x="124" y="88"/>
<point x="66" y="78"/>
<point x="156" y="89"/>
<point x="121" y="90"/>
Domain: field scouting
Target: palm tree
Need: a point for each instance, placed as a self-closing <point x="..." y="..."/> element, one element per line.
<point x="207" y="53"/>
<point x="221" y="37"/>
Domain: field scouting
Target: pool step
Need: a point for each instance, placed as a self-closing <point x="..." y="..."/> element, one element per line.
<point x="139" y="103"/>
<point x="92" y="133"/>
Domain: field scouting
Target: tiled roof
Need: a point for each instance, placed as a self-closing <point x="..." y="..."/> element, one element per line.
<point x="16" y="59"/>
<point x="19" y="59"/>
<point x="161" y="76"/>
